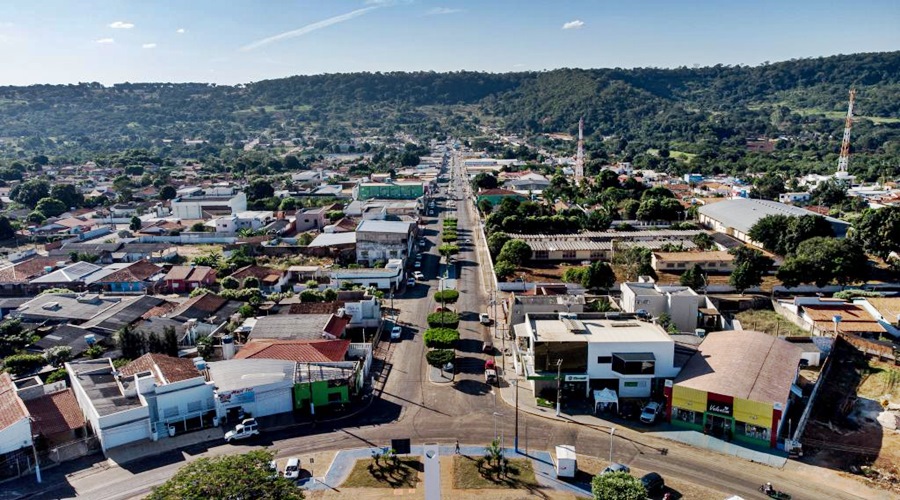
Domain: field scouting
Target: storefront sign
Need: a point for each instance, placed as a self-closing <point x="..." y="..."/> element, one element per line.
<point x="576" y="378"/>
<point x="720" y="408"/>
<point x="237" y="397"/>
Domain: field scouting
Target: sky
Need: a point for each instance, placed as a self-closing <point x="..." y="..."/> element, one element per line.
<point x="242" y="41"/>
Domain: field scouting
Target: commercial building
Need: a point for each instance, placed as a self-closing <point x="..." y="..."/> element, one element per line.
<point x="737" y="216"/>
<point x="381" y="240"/>
<point x="197" y="203"/>
<point x="386" y="278"/>
<point x="519" y="305"/>
<point x="687" y="309"/>
<point x="257" y="387"/>
<point x="737" y="386"/>
<point x="496" y="196"/>
<point x="601" y="245"/>
<point x="595" y="351"/>
<point x="679" y="262"/>
<point x="389" y="191"/>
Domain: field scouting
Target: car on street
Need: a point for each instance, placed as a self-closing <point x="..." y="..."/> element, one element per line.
<point x="418" y="275"/>
<point x="248" y="427"/>
<point x="484" y="319"/>
<point x="616" y="467"/>
<point x="487" y="347"/>
<point x="292" y="468"/>
<point x="468" y="241"/>
<point x="418" y="264"/>
<point x="650" y="412"/>
<point x="396" y="332"/>
<point x="653" y="483"/>
<point x="490" y="377"/>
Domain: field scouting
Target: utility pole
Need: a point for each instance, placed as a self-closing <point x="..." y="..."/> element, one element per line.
<point x="612" y="432"/>
<point x="558" y="385"/>
<point x="516" y="440"/>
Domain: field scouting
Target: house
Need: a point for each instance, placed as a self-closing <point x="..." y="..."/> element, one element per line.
<point x="234" y="223"/>
<point x="70" y="308"/>
<point x="885" y="310"/>
<point x="527" y="182"/>
<point x="380" y="241"/>
<point x="137" y="276"/>
<point x="336" y="244"/>
<point x="71" y="336"/>
<point x="183" y="279"/>
<point x="519" y="305"/>
<point x="794" y="198"/>
<point x="305" y="351"/>
<point x="153" y="397"/>
<point x="596" y="351"/>
<point x="297" y="327"/>
<point x="15" y="430"/>
<point x="739" y="385"/>
<point x="55" y="416"/>
<point x="270" y="279"/>
<point x="197" y="203"/>
<point x="74" y="277"/>
<point x="16" y="276"/>
<point x="679" y="262"/>
<point x="99" y="253"/>
<point x="681" y="303"/>
<point x="496" y="196"/>
<point x="311" y="219"/>
<point x="389" y="277"/>
<point x="827" y="317"/>
<point x="736" y="217"/>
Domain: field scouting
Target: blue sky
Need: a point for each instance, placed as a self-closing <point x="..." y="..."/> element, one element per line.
<point x="238" y="41"/>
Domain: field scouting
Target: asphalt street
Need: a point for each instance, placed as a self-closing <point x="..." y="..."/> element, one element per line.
<point x="409" y="406"/>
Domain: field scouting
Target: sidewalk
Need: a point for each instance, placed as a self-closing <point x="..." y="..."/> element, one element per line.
<point x="527" y="403"/>
<point x="141" y="449"/>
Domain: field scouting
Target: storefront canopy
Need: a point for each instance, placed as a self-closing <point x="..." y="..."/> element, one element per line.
<point x="606" y="396"/>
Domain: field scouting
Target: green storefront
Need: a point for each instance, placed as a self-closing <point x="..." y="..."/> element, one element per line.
<point x="322" y="393"/>
<point x="391" y="191"/>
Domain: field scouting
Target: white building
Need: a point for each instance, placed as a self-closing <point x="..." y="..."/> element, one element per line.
<point x="231" y="224"/>
<point x="596" y="351"/>
<point x="390" y="276"/>
<point x="259" y="387"/>
<point x="152" y="397"/>
<point x="795" y="197"/>
<point x="381" y="240"/>
<point x="680" y="302"/>
<point x="196" y="203"/>
<point x="15" y="425"/>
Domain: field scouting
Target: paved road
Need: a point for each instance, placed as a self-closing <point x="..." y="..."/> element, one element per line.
<point x="409" y="406"/>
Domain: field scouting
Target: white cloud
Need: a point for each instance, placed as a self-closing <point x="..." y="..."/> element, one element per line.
<point x="148" y="46"/>
<point x="105" y="40"/>
<point x="309" y="28"/>
<point x="180" y="31"/>
<point x="573" y="25"/>
<point x="442" y="11"/>
<point x="121" y="25"/>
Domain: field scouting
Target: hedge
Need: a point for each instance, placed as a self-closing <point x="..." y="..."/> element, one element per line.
<point x="440" y="357"/>
<point x="443" y="319"/>
<point x="446" y="296"/>
<point x="24" y="363"/>
<point x="441" y="338"/>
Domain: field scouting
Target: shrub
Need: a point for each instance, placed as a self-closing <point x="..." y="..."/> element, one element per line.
<point x="23" y="363"/>
<point x="230" y="283"/>
<point x="329" y="294"/>
<point x="446" y="296"/>
<point x="504" y="269"/>
<point x="440" y="357"/>
<point x="311" y="296"/>
<point x="443" y="319"/>
<point x="94" y="351"/>
<point x="441" y="338"/>
<point x="57" y="375"/>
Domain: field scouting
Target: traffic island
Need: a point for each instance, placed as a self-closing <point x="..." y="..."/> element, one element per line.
<point x="479" y="473"/>
<point x="384" y="472"/>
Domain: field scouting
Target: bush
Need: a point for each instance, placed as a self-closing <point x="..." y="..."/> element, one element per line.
<point x="443" y="319"/>
<point x="504" y="269"/>
<point x="446" y="296"/>
<point x="441" y="338"/>
<point x="19" y="364"/>
<point x="440" y="357"/>
<point x="94" y="351"/>
<point x="230" y="283"/>
<point x="56" y="376"/>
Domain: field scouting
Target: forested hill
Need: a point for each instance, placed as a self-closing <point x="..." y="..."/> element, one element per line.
<point x="713" y="104"/>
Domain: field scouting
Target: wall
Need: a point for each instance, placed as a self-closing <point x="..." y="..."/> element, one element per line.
<point x="320" y="394"/>
<point x="683" y="310"/>
<point x="15" y="436"/>
<point x="123" y="427"/>
<point x="663" y="351"/>
<point x="179" y="394"/>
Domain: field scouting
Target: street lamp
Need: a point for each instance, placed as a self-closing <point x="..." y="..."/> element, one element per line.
<point x="558" y="385"/>
<point x="516" y="441"/>
<point x="612" y="432"/>
<point x="497" y="414"/>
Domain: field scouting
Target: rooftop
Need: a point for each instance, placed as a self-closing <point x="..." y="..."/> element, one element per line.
<point x="165" y="369"/>
<point x="67" y="306"/>
<point x="307" y="351"/>
<point x="888" y="307"/>
<point x="743" y="364"/>
<point x="693" y="256"/>
<point x="188" y="272"/>
<point x="236" y="374"/>
<point x="384" y="226"/>
<point x="69" y="274"/>
<point x="854" y="318"/>
<point x="743" y="213"/>
<point x="291" y="327"/>
<point x="11" y="407"/>
<point x="333" y="239"/>
<point x="593" y="328"/>
<point x="96" y="378"/>
<point x="55" y="413"/>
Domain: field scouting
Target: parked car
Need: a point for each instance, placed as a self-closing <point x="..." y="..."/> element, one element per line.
<point x="396" y="333"/>
<point x="488" y="347"/>
<point x="616" y="467"/>
<point x="243" y="430"/>
<point x="653" y="483"/>
<point x="484" y="319"/>
<point x="292" y="469"/>
<point x="411" y="282"/>
<point x="418" y="264"/>
<point x="650" y="412"/>
<point x="418" y="275"/>
<point x="490" y="377"/>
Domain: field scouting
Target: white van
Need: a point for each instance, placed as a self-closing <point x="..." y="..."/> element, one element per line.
<point x="292" y="469"/>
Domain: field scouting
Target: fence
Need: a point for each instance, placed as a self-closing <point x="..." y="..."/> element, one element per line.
<point x="73" y="449"/>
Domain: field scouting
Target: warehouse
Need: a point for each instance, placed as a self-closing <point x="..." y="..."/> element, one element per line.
<point x="737" y="386"/>
<point x="735" y="217"/>
<point x="601" y="245"/>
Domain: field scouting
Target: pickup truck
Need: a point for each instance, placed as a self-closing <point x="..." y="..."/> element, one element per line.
<point x="243" y="430"/>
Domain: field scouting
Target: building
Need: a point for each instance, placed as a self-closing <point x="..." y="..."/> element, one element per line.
<point x="381" y="241"/>
<point x="338" y="244"/>
<point x="496" y="196"/>
<point x="16" y="276"/>
<point x="389" y="191"/>
<point x="55" y="414"/>
<point x="519" y="305"/>
<point x="196" y="203"/>
<point x="183" y="279"/>
<point x="679" y="262"/>
<point x="296" y="327"/>
<point x="826" y="318"/>
<point x="69" y="308"/>
<point x="73" y="277"/>
<point x="799" y="197"/>
<point x="389" y="277"/>
<point x="738" y="385"/>
<point x="256" y="387"/>
<point x="152" y="397"/>
<point x="736" y="217"/>
<point x="15" y="430"/>
<point x="384" y="209"/>
<point x="311" y="219"/>
<point x="270" y="279"/>
<point x="601" y="245"/>
<point x="236" y="222"/>
<point x="137" y="276"/>
<point x="596" y="351"/>
<point x="885" y="310"/>
<point x="687" y="309"/>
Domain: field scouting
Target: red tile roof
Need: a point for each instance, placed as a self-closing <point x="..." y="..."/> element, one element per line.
<point x="316" y="307"/>
<point x="304" y="351"/>
<point x="139" y="271"/>
<point x="206" y="302"/>
<point x="267" y="275"/>
<point x="11" y="407"/>
<point x="498" y="192"/>
<point x="165" y="369"/>
<point x="337" y="324"/>
<point x="22" y="272"/>
<point x="854" y="319"/>
<point x="55" y="413"/>
<point x="188" y="273"/>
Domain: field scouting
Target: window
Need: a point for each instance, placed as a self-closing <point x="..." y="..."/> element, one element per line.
<point x="364" y="254"/>
<point x="596" y="254"/>
<point x="681" y="264"/>
<point x="194" y="406"/>
<point x="335" y="397"/>
<point x="542" y="254"/>
<point x="568" y="254"/>
<point x="688" y="416"/>
<point x="604" y="360"/>
<point x="638" y="363"/>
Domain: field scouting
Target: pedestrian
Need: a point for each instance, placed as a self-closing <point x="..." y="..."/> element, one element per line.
<point x="457" y="446"/>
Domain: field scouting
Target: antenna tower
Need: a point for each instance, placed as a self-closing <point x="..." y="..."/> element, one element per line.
<point x="579" y="157"/>
<point x="844" y="159"/>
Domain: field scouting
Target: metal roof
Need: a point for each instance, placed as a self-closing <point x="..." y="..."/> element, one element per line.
<point x="333" y="239"/>
<point x="742" y="213"/>
<point x="384" y="226"/>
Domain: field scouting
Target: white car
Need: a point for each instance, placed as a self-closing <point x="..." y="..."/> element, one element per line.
<point x="396" y="332"/>
<point x="292" y="469"/>
<point x="484" y="319"/>
<point x="418" y="275"/>
<point x="648" y="415"/>
<point x="243" y="430"/>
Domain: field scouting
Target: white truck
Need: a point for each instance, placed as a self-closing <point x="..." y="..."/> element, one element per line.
<point x="566" y="465"/>
<point x="248" y="427"/>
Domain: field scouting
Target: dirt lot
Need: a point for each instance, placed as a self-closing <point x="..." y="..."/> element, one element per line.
<point x="769" y="322"/>
<point x="849" y="431"/>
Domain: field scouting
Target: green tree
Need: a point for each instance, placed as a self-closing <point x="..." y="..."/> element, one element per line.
<point x="329" y="294"/>
<point x="750" y="265"/>
<point x="50" y="207"/>
<point x="230" y="283"/>
<point x="829" y="193"/>
<point x="574" y="275"/>
<point x="598" y="220"/>
<point x="6" y="228"/>
<point x="703" y="241"/>
<point x="447" y="250"/>
<point x="251" y="282"/>
<point x="485" y="206"/>
<point x="228" y="476"/>
<point x="617" y="486"/>
<point x="694" y="277"/>
<point x="496" y="242"/>
<point x="485" y="181"/>
<point x="167" y="192"/>
<point x="68" y="194"/>
<point x="768" y="187"/>
<point x="260" y="189"/>
<point x="131" y="342"/>
<point x="135" y="224"/>
<point x="634" y="262"/>
<point x="504" y="269"/>
<point x="170" y="342"/>
<point x="878" y="231"/>
<point x="599" y="275"/>
<point x="822" y="261"/>
<point x="29" y="193"/>
<point x="630" y="208"/>
<point x="516" y="252"/>
<point x="291" y="163"/>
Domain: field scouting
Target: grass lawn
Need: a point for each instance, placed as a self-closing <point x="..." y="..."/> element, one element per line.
<point x="467" y="475"/>
<point x="763" y="320"/>
<point x="366" y="475"/>
<point x="881" y="380"/>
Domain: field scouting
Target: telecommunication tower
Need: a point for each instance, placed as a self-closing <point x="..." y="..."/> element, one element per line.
<point x="844" y="159"/>
<point x="579" y="157"/>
